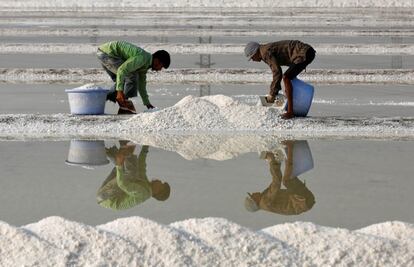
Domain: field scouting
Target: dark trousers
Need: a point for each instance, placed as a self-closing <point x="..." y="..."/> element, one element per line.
<point x="295" y="69"/>
<point x="111" y="64"/>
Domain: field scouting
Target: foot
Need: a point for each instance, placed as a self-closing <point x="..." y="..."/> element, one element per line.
<point x="287" y="116"/>
<point x="124" y="112"/>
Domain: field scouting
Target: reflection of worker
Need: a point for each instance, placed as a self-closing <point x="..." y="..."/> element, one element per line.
<point x="127" y="185"/>
<point x="293" y="200"/>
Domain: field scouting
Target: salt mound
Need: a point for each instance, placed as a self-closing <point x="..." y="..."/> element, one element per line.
<point x="19" y="247"/>
<point x="238" y="244"/>
<point x="89" y="87"/>
<point x="136" y="241"/>
<point x="325" y="246"/>
<point x="87" y="245"/>
<point x="216" y="113"/>
<point x="391" y="230"/>
<point x="165" y="246"/>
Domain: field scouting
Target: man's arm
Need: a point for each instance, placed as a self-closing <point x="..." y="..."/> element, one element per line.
<point x="130" y="65"/>
<point x="142" y="157"/>
<point x="142" y="89"/>
<point x="289" y="160"/>
<point x="277" y="77"/>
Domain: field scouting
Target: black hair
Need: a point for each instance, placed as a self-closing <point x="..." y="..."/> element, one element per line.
<point x="164" y="57"/>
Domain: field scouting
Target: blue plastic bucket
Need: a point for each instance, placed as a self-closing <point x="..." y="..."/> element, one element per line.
<point x="87" y="101"/>
<point x="302" y="97"/>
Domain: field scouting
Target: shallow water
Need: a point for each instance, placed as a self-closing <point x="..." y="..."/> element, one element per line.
<point x="354" y="184"/>
<point x="353" y="62"/>
<point x="329" y="100"/>
<point x="216" y="39"/>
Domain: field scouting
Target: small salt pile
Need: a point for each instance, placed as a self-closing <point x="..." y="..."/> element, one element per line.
<point x="89" y="87"/>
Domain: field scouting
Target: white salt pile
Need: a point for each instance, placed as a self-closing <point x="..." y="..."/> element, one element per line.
<point x="136" y="241"/>
<point x="216" y="113"/>
<point x="89" y="87"/>
<point x="208" y="115"/>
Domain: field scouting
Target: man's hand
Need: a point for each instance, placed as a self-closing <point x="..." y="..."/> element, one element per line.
<point x="119" y="159"/>
<point x="270" y="99"/>
<point x="125" y="151"/>
<point x="149" y="106"/>
<point x="120" y="98"/>
<point x="269" y="156"/>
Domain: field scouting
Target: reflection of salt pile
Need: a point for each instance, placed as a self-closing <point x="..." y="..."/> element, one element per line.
<point x="216" y="113"/>
<point x="137" y="241"/>
<point x="217" y="147"/>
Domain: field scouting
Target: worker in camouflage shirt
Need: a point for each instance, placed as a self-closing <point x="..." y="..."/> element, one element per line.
<point x="292" y="53"/>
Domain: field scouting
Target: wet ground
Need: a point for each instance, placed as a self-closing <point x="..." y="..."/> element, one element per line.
<point x="329" y="100"/>
<point x="215" y="61"/>
<point x="353" y="183"/>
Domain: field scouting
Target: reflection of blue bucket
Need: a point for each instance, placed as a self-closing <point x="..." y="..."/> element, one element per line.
<point x="87" y="102"/>
<point x="302" y="97"/>
<point x="301" y="158"/>
<point x="87" y="153"/>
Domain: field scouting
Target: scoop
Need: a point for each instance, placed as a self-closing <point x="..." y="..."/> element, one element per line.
<point x="128" y="107"/>
<point x="280" y="101"/>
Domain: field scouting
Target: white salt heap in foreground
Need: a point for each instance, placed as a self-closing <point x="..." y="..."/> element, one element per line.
<point x="136" y="241"/>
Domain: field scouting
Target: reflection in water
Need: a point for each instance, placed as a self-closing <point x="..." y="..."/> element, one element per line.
<point x="205" y="61"/>
<point x="127" y="185"/>
<point x="396" y="60"/>
<point x="93" y="38"/>
<point x="87" y="153"/>
<point x="295" y="198"/>
<point x="160" y="39"/>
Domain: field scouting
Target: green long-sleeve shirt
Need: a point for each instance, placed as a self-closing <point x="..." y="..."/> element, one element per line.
<point x="137" y="60"/>
<point x="128" y="185"/>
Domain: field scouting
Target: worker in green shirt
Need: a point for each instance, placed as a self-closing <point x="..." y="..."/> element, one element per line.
<point x="128" y="185"/>
<point x="127" y="65"/>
